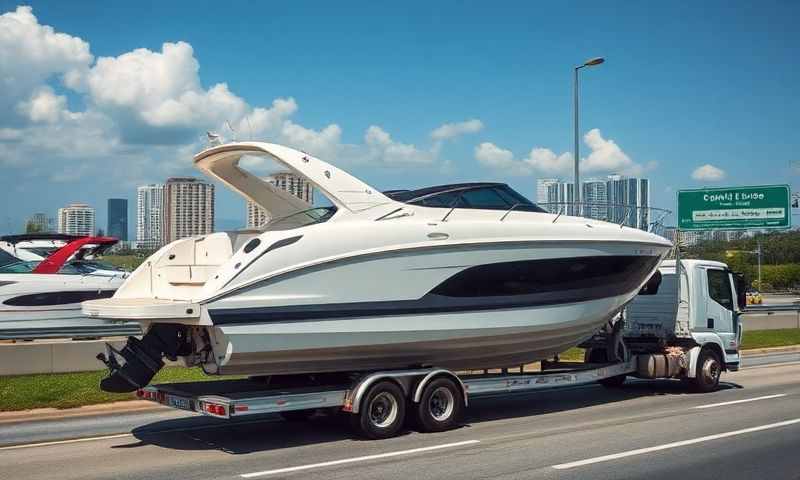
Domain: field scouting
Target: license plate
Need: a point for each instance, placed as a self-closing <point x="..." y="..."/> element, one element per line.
<point x="178" y="402"/>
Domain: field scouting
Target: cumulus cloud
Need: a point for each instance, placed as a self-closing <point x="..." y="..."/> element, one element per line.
<point x="31" y="53"/>
<point x="708" y="173"/>
<point x="605" y="156"/>
<point x="43" y="106"/>
<point x="148" y="108"/>
<point x="449" y="131"/>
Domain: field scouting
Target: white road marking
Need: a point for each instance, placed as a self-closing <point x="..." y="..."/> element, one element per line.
<point x="358" y="459"/>
<point x="63" y="442"/>
<point x="640" y="451"/>
<point x="734" y="402"/>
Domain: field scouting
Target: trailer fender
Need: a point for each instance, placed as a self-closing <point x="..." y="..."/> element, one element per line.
<point x="404" y="379"/>
<point x="434" y="374"/>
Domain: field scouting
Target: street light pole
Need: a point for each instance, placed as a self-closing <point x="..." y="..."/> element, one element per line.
<point x="576" y="194"/>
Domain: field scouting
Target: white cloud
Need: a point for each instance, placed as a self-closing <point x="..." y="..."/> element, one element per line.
<point x="451" y="130"/>
<point x="31" y="53"/>
<point x="708" y="173"/>
<point x="605" y="156"/>
<point x="381" y="148"/>
<point x="142" y="112"/>
<point x="44" y="106"/>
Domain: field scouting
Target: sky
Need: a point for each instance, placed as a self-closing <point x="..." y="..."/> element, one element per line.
<point x="99" y="97"/>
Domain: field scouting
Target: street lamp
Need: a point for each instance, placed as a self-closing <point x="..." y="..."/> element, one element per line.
<point x="589" y="63"/>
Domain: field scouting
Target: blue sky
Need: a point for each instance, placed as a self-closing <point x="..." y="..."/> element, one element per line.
<point x="105" y="105"/>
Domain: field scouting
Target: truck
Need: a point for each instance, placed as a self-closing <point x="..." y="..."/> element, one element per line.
<point x="683" y="325"/>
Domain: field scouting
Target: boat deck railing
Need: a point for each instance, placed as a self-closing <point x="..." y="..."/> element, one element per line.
<point x="650" y="219"/>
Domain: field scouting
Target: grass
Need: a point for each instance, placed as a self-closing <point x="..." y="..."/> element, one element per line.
<point x="770" y="338"/>
<point x="128" y="262"/>
<point x="69" y="390"/>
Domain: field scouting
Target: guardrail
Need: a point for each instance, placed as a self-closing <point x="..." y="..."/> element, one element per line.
<point x="786" y="307"/>
<point x="75" y="332"/>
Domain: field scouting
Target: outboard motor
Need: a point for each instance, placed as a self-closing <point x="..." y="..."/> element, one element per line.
<point x="143" y="358"/>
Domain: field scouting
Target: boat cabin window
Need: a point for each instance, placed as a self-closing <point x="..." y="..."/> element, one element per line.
<point x="19" y="267"/>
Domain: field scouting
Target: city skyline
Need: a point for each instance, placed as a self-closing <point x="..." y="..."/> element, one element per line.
<point x="697" y="129"/>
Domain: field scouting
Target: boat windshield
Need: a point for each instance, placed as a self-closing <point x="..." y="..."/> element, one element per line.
<point x="19" y="267"/>
<point x="301" y="219"/>
<point x="476" y="196"/>
<point x="6" y="258"/>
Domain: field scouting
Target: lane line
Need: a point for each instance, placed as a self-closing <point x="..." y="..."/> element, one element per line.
<point x="359" y="459"/>
<point x="640" y="451"/>
<point x="734" y="402"/>
<point x="63" y="442"/>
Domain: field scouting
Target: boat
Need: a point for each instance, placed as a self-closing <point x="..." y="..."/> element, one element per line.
<point x="460" y="276"/>
<point x="40" y="297"/>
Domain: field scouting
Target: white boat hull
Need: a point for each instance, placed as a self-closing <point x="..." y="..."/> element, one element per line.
<point x="476" y="340"/>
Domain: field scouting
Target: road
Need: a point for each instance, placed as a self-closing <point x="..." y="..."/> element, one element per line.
<point x="644" y="430"/>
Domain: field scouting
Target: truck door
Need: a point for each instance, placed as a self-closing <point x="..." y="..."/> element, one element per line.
<point x="720" y="308"/>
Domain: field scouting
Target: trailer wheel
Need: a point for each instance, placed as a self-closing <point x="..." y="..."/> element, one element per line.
<point x="599" y="355"/>
<point x="298" y="415"/>
<point x="440" y="406"/>
<point x="709" y="370"/>
<point x="382" y="412"/>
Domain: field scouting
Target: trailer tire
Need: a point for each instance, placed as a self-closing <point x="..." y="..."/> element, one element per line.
<point x="382" y="412"/>
<point x="599" y="355"/>
<point x="709" y="370"/>
<point x="440" y="406"/>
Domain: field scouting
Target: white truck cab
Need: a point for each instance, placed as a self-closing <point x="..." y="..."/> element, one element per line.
<point x="699" y="315"/>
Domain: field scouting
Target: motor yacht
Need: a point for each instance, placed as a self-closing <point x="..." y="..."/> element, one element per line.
<point x="457" y="276"/>
<point x="42" y="298"/>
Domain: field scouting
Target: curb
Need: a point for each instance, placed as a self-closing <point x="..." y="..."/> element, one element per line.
<point x="766" y="351"/>
<point x="113" y="408"/>
<point x="145" y="406"/>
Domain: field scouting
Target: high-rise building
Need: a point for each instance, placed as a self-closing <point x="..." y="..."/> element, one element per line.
<point x="595" y="198"/>
<point x="149" y="208"/>
<point x="39" y="223"/>
<point x="118" y="218"/>
<point x="294" y="184"/>
<point x="188" y="208"/>
<point x="628" y="201"/>
<point x="76" y="219"/>
<point x="542" y="186"/>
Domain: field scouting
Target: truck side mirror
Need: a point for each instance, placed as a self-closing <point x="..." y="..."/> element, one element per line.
<point x="741" y="287"/>
<point x="651" y="287"/>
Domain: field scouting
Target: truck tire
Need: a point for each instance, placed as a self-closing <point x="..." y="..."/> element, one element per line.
<point x="708" y="372"/>
<point x="599" y="355"/>
<point x="382" y="412"/>
<point x="440" y="406"/>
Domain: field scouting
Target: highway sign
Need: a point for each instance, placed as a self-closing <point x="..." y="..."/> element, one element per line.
<point x="734" y="208"/>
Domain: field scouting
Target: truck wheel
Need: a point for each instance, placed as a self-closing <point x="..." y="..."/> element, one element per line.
<point x="709" y="369"/>
<point x="440" y="406"/>
<point x="382" y="412"/>
<point x="599" y="355"/>
<point x="298" y="415"/>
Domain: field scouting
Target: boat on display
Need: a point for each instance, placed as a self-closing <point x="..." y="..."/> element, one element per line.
<point x="458" y="276"/>
<point x="40" y="297"/>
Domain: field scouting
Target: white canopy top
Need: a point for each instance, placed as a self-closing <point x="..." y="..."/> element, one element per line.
<point x="341" y="188"/>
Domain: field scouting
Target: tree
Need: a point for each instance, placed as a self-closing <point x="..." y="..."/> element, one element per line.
<point x="31" y="227"/>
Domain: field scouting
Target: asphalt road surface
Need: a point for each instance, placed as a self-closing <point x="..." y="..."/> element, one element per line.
<point x="749" y="429"/>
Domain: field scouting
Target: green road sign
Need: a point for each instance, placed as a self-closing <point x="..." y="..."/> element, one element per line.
<point x="734" y="208"/>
